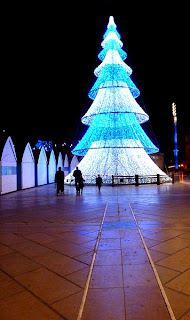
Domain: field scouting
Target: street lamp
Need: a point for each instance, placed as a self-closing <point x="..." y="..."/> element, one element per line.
<point x="174" y="112"/>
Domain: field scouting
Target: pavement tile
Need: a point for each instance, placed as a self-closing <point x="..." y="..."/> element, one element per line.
<point x="145" y="303"/>
<point x="68" y="248"/>
<point x="172" y="245"/>
<point x="76" y="237"/>
<point x="47" y="285"/>
<point x="79" y="277"/>
<point x="30" y="249"/>
<point x="108" y="244"/>
<point x="104" y="304"/>
<point x="132" y="243"/>
<point x="5" y="250"/>
<point x="8" y="238"/>
<point x="129" y="234"/>
<point x="186" y="316"/>
<point x="90" y="244"/>
<point x="164" y="235"/>
<point x="8" y="286"/>
<point x="179" y="302"/>
<point x="69" y="306"/>
<point x="59" y="263"/>
<point x="16" y="264"/>
<point x="138" y="275"/>
<point x="166" y="274"/>
<point x="185" y="235"/>
<point x="86" y="257"/>
<point x="108" y="257"/>
<point x="137" y="256"/>
<point x="150" y="242"/>
<point x="156" y="255"/>
<point x="110" y="234"/>
<point x="106" y="277"/>
<point x="179" y="261"/>
<point x="181" y="283"/>
<point x="25" y="306"/>
<point x="40" y="237"/>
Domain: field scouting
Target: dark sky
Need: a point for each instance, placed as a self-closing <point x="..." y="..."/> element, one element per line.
<point x="50" y="53"/>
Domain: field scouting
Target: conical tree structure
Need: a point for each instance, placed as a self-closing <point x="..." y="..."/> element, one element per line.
<point x="115" y="143"/>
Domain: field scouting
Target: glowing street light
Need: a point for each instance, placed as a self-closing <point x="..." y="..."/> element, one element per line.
<point x="174" y="112"/>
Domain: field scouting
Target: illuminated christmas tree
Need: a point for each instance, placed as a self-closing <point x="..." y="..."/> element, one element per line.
<point x="115" y="143"/>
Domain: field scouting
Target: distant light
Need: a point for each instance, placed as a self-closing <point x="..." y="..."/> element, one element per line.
<point x="174" y="109"/>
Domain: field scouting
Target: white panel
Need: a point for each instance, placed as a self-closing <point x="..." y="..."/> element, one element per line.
<point x="60" y="161"/>
<point x="52" y="167"/>
<point x="8" y="153"/>
<point x="28" y="168"/>
<point x="8" y="168"/>
<point x="28" y="175"/>
<point x="66" y="165"/>
<point x="74" y="162"/>
<point x="9" y="183"/>
<point x="42" y="168"/>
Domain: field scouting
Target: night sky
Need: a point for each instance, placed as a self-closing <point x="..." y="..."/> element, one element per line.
<point x="50" y="53"/>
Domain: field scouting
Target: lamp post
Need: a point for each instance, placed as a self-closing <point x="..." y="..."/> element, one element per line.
<point x="175" y="135"/>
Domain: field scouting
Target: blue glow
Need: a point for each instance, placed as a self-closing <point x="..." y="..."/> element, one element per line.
<point x="115" y="130"/>
<point x="112" y="29"/>
<point x="112" y="57"/>
<point x="48" y="146"/>
<point x="112" y="37"/>
<point x="113" y="76"/>
<point x="114" y="100"/>
<point x="113" y="45"/>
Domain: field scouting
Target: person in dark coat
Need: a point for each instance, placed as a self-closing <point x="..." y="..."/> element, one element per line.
<point x="81" y="184"/>
<point x="77" y="174"/>
<point x="99" y="182"/>
<point x="59" y="179"/>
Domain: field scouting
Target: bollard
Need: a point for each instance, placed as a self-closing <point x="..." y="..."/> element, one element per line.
<point x="112" y="179"/>
<point x="173" y="178"/>
<point x="158" y="179"/>
<point x="136" y="180"/>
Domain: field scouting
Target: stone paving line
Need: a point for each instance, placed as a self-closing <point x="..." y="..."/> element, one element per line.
<point x="47" y="246"/>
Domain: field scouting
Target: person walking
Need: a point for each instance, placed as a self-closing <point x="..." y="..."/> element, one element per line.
<point x="59" y="180"/>
<point x="99" y="182"/>
<point x="81" y="184"/>
<point x="77" y="174"/>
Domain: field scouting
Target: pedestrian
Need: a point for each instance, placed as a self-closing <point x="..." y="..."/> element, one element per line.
<point x="81" y="184"/>
<point x="99" y="182"/>
<point x="59" y="180"/>
<point x="77" y="174"/>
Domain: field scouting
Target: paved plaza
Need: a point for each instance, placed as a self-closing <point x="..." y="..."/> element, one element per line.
<point x="119" y="254"/>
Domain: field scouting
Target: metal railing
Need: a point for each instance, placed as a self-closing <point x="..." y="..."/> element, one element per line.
<point x="125" y="180"/>
<point x="137" y="180"/>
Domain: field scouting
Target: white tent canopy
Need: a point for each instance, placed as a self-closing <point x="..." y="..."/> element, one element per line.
<point x="27" y="168"/>
<point x="8" y="165"/>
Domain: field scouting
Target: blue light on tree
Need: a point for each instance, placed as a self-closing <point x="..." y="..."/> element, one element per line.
<point x="48" y="146"/>
<point x="115" y="143"/>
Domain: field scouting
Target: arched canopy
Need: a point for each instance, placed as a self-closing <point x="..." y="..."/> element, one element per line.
<point x="8" y="167"/>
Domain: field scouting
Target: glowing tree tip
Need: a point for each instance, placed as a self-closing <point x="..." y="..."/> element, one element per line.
<point x="111" y="22"/>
